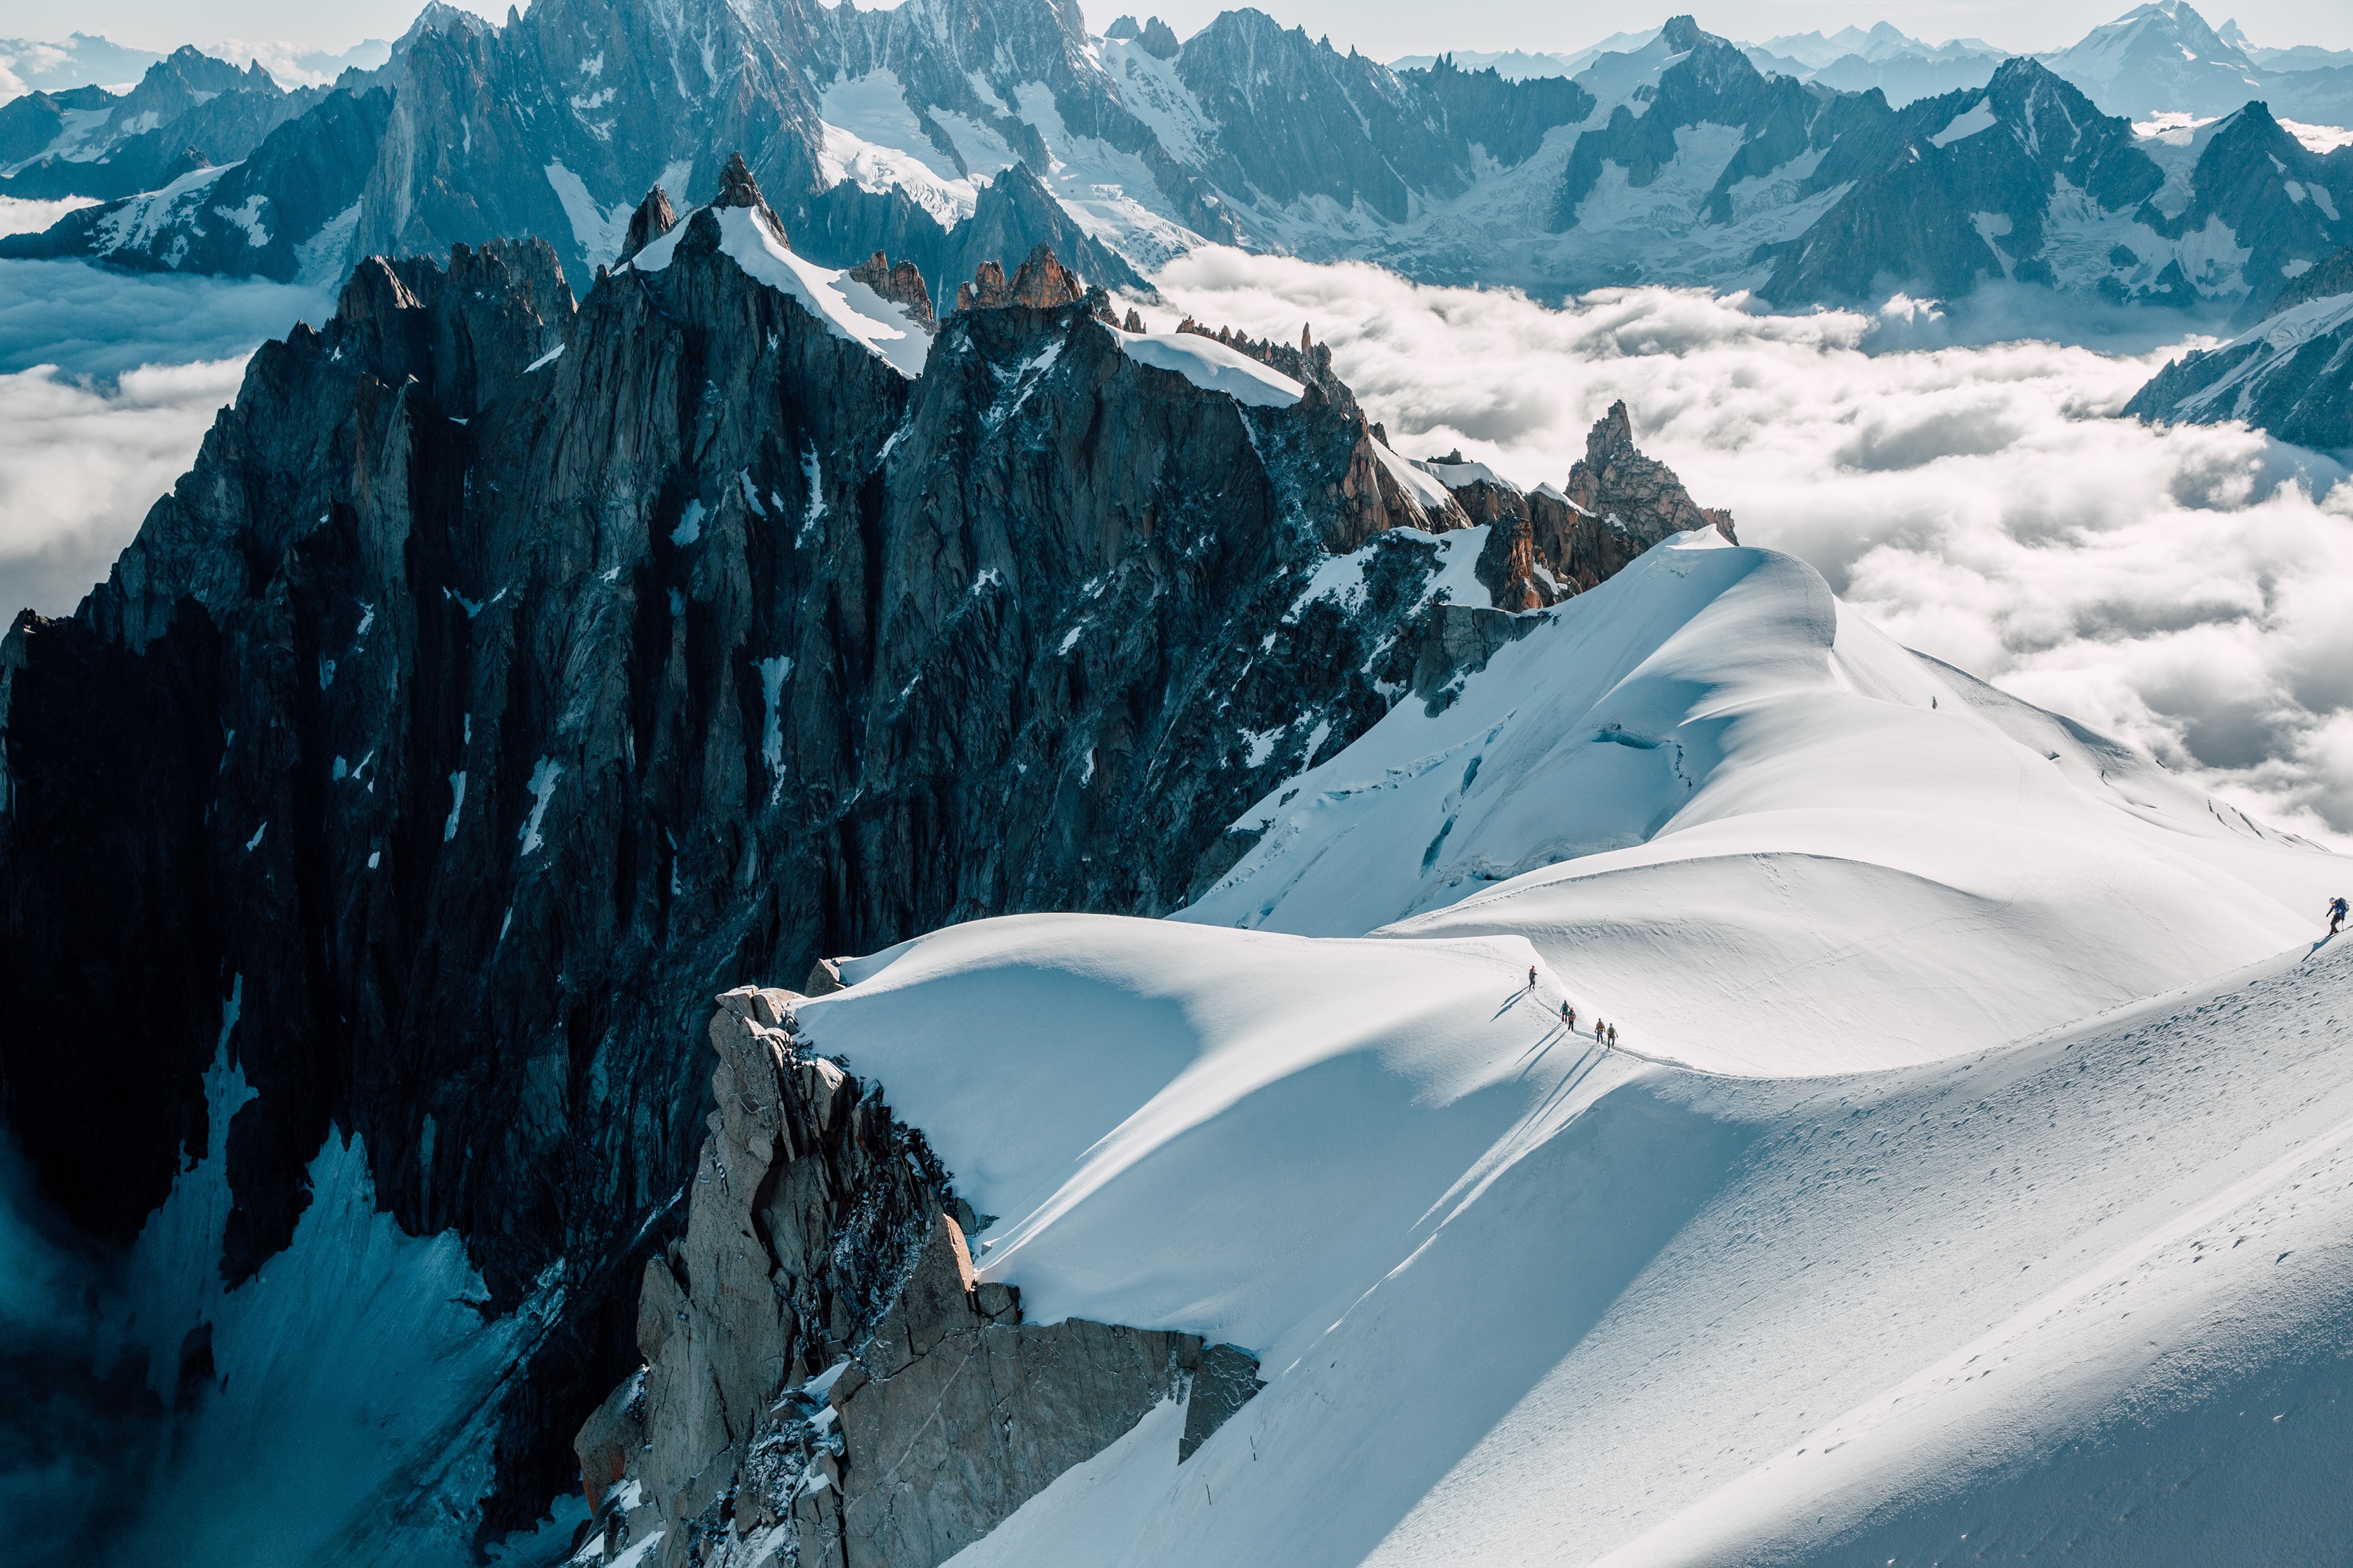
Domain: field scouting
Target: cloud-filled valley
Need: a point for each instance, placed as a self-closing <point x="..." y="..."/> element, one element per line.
<point x="82" y="462"/>
<point x="2181" y="588"/>
<point x="108" y="382"/>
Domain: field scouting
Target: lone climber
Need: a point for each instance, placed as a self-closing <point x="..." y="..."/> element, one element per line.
<point x="2337" y="913"/>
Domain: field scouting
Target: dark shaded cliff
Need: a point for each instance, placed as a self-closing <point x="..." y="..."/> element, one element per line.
<point x="470" y="714"/>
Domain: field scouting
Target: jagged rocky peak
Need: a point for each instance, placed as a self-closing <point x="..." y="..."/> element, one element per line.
<point x="1155" y="35"/>
<point x="1547" y="544"/>
<point x="464" y="330"/>
<point x="1159" y="39"/>
<point x="1040" y="283"/>
<point x="902" y="284"/>
<point x="737" y="188"/>
<point x="653" y="218"/>
<point x="826" y="1378"/>
<point x="1615" y="483"/>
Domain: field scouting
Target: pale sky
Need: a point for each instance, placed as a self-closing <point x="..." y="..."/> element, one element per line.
<point x="1383" y="28"/>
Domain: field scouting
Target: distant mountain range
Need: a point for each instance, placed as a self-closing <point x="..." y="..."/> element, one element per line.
<point x="1851" y="59"/>
<point x="950" y="132"/>
<point x="2155" y="59"/>
<point x="83" y="60"/>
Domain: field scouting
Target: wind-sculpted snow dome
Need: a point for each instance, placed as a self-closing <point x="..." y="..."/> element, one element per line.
<point x="1707" y="784"/>
<point x="1896" y="1216"/>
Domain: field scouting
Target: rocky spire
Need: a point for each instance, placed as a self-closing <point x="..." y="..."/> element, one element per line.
<point x="1040" y="283"/>
<point x="1544" y="545"/>
<point x="901" y="285"/>
<point x="1615" y="483"/>
<point x="737" y="188"/>
<point x="653" y="218"/>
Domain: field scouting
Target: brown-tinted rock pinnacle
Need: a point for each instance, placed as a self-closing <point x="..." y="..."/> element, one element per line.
<point x="653" y="218"/>
<point x="902" y="284"/>
<point x="737" y="188"/>
<point x="1616" y="482"/>
<point x="1040" y="283"/>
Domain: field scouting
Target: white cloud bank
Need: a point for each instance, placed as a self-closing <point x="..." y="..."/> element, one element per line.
<point x="108" y="382"/>
<point x="18" y="215"/>
<point x="2182" y="589"/>
<point x="88" y="320"/>
<point x="81" y="463"/>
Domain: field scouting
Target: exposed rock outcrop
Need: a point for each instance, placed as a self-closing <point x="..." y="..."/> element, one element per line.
<point x="1040" y="283"/>
<point x="654" y="218"/>
<point x="901" y="285"/>
<point x="1616" y="483"/>
<point x="826" y="1378"/>
<point x="1545" y="544"/>
<point x="2291" y="374"/>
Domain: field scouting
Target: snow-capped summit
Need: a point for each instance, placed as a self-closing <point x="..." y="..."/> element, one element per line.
<point x="2157" y="57"/>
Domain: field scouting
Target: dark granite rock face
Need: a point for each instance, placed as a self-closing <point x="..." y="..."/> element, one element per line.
<point x="472" y="711"/>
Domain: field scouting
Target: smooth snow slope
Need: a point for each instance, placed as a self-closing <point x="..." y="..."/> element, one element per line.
<point x="1762" y="837"/>
<point x="1519" y="1300"/>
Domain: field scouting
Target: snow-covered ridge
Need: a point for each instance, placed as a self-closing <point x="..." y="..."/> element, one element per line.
<point x="1213" y="367"/>
<point x="849" y="308"/>
<point x="1700" y="784"/>
<point x="1717" y="1321"/>
<point x="1357" y="1151"/>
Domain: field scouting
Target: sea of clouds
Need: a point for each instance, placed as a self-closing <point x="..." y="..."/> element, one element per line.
<point x="2190" y="590"/>
<point x="108" y="382"/>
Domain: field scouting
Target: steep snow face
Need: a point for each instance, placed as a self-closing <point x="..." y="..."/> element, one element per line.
<point x="873" y="140"/>
<point x="1213" y="367"/>
<point x="369" y="1342"/>
<point x="849" y="308"/>
<point x="1771" y="839"/>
